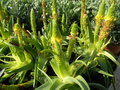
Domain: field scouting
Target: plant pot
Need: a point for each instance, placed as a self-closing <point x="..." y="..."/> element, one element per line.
<point x="114" y="49"/>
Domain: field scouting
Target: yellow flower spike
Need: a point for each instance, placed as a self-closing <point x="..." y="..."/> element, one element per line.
<point x="58" y="63"/>
<point x="58" y="39"/>
<point x="17" y="28"/>
<point x="74" y="29"/>
<point x="112" y="18"/>
<point x="18" y="31"/>
<point x="85" y="23"/>
<point x="72" y="41"/>
<point x="56" y="35"/>
<point x="98" y="19"/>
<point x="108" y="22"/>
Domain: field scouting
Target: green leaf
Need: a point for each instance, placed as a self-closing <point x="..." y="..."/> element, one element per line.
<point x="98" y="86"/>
<point x="31" y="50"/>
<point x="34" y="42"/>
<point x="63" y="86"/>
<point x="79" y="62"/>
<point x="4" y="61"/>
<point x="3" y="49"/>
<point x="76" y="65"/>
<point x="22" y="76"/>
<point x="103" y="72"/>
<point x="35" y="73"/>
<point x="6" y="56"/>
<point x="21" y="68"/>
<point x="83" y="82"/>
<point x="103" y="64"/>
<point x="73" y="87"/>
<point x="40" y="63"/>
<point x="49" y="79"/>
<point x="10" y="24"/>
<point x="4" y="77"/>
<point x="1" y="72"/>
<point x="55" y="68"/>
<point x="45" y="86"/>
<point x="110" y="57"/>
<point x="105" y="45"/>
<point x="56" y="84"/>
<point x="78" y="80"/>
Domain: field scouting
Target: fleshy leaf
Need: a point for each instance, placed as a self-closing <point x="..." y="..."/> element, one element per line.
<point x="110" y="57"/>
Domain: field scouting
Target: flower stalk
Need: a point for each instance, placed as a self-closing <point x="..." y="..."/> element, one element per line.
<point x="72" y="41"/>
<point x="85" y="24"/>
<point x="33" y="23"/>
<point x="56" y="35"/>
<point x="63" y="22"/>
<point x="99" y="18"/>
<point x="18" y="31"/>
<point x="44" y="14"/>
<point x="58" y="63"/>
<point x="108" y="22"/>
<point x="2" y="30"/>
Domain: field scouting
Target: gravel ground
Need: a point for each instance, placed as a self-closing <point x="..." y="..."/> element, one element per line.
<point x="117" y="78"/>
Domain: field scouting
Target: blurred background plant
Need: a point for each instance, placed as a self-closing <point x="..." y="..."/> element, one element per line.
<point x="115" y="33"/>
<point x="21" y="9"/>
<point x="70" y="8"/>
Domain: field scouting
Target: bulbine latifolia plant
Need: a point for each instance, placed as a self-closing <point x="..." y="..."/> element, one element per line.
<point x="60" y="55"/>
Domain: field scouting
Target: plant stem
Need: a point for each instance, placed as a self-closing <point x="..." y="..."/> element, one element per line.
<point x="99" y="17"/>
<point x="44" y="14"/>
<point x="108" y="22"/>
<point x="33" y="23"/>
<point x="56" y="35"/>
<point x="72" y="41"/>
<point x="85" y="24"/>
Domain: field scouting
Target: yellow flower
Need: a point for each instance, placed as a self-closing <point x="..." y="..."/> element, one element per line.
<point x="17" y="28"/>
